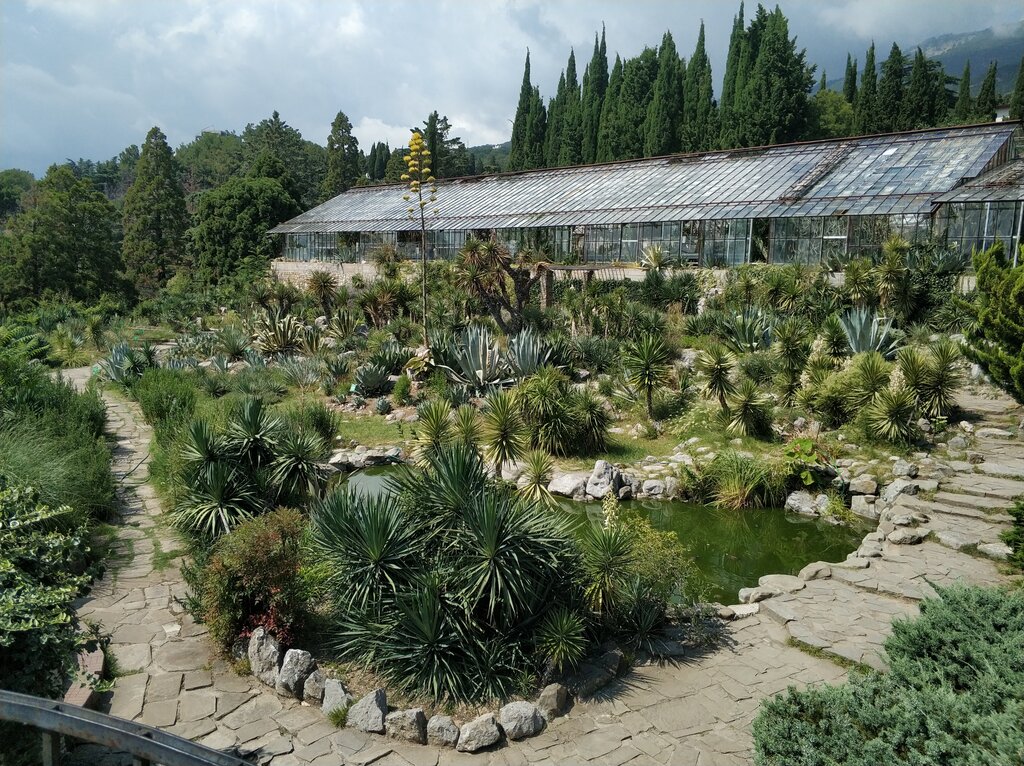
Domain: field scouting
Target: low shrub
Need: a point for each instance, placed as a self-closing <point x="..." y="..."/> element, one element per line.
<point x="166" y="396"/>
<point x="954" y="694"/>
<point x="561" y="419"/>
<point x="1014" y="537"/>
<point x="313" y="416"/>
<point x="734" y="480"/>
<point x="402" y="391"/>
<point x="251" y="579"/>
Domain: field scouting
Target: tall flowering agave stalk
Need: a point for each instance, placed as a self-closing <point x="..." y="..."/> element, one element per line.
<point x="418" y="176"/>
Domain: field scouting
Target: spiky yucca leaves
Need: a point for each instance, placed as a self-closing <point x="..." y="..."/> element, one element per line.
<point x="220" y="498"/>
<point x="322" y="287"/>
<point x="433" y="427"/>
<point x="791" y="346"/>
<point x="890" y="416"/>
<point x="592" y="421"/>
<point x="870" y="373"/>
<point x="504" y="432"/>
<point x="942" y="380"/>
<point x="561" y="639"/>
<point x="466" y="425"/>
<point x="717" y="364"/>
<point x="833" y="341"/>
<point x="560" y="419"/>
<point x="750" y="411"/>
<point x="233" y="341"/>
<point x="739" y="481"/>
<point x="608" y="557"/>
<point x="302" y="373"/>
<point x="200" y="450"/>
<point x="646" y="363"/>
<point x="298" y="471"/>
<point x="538" y="466"/>
<point x="859" y="282"/>
<point x="252" y="434"/>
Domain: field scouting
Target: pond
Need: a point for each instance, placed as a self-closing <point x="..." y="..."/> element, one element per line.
<point x="731" y="549"/>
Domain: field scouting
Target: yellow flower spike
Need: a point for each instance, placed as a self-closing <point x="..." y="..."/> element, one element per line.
<point x="405" y="197"/>
<point x="405" y="176"/>
<point x="423" y="203"/>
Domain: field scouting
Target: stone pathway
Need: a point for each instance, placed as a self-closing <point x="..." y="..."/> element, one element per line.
<point x="693" y="713"/>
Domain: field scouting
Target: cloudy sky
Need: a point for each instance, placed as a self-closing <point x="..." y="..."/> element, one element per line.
<point x="85" y="78"/>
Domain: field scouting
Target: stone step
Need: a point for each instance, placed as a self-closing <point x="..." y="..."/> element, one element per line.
<point x="1000" y="466"/>
<point x="982" y="503"/>
<point x="985" y="486"/>
<point x="912" y="503"/>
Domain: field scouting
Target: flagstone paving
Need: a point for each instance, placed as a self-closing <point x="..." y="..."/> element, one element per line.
<point x="694" y="712"/>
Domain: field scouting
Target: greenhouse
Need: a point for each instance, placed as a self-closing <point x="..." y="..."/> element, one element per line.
<point x="812" y="202"/>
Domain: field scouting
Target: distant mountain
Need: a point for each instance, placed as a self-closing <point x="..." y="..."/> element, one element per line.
<point x="1004" y="46"/>
<point x="493" y="157"/>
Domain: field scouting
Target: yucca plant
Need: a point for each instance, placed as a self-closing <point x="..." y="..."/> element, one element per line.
<point x="371" y="380"/>
<point x="718" y="365"/>
<point x="322" y="287"/>
<point x="592" y="421"/>
<point x="298" y="471"/>
<point x="251" y="435"/>
<point x="233" y="342"/>
<point x="504" y="433"/>
<point x="870" y="373"/>
<point x="791" y="345"/>
<point x="646" y="363"/>
<point x="562" y="640"/>
<point x="96" y="332"/>
<point x="433" y="427"/>
<point x="749" y="410"/>
<point x="538" y="466"/>
<point x="943" y="378"/>
<point x="608" y="557"/>
<point x="891" y="416"/>
<point x="220" y="498"/>
<point x="832" y="339"/>
<point x="201" y="449"/>
<point x="465" y="425"/>
<point x="301" y="373"/>
<point x="866" y="331"/>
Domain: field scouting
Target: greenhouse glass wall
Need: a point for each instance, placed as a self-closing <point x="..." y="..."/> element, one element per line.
<point x="809" y="203"/>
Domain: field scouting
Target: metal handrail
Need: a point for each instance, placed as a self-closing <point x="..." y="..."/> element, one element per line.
<point x="145" y="743"/>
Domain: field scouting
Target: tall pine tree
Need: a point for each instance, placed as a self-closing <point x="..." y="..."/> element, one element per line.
<point x="595" y="84"/>
<point x="608" y="146"/>
<point x="154" y="218"/>
<point x="737" y="39"/>
<point x="553" y="136"/>
<point x="850" y="80"/>
<point x="521" y="151"/>
<point x="985" y="106"/>
<point x="571" y="150"/>
<point x="1017" y="99"/>
<point x="865" y="118"/>
<point x="919" y="106"/>
<point x="890" y="92"/>
<point x="699" y="130"/>
<point x="342" y="158"/>
<point x="662" y="128"/>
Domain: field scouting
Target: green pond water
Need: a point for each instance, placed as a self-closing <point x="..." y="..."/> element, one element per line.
<point x="731" y="549"/>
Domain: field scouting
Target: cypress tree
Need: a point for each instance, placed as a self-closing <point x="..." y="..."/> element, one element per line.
<point x="536" y="129"/>
<point x="371" y="162"/>
<point x="823" y="82"/>
<point x="865" y="120"/>
<point x="737" y="39"/>
<point x="890" y="92"/>
<point x="919" y="104"/>
<point x="850" y="80"/>
<point x="595" y="84"/>
<point x="662" y="127"/>
<point x="963" y="112"/>
<point x="607" y="137"/>
<point x="520" y="149"/>
<point x="342" y="158"/>
<point x="638" y="76"/>
<point x="1017" y="99"/>
<point x="743" y="111"/>
<point x="154" y="217"/>
<point x="383" y="155"/>
<point x="700" y="113"/>
<point x="777" y="106"/>
<point x="553" y="136"/>
<point x="985" y="106"/>
<point x="571" y="151"/>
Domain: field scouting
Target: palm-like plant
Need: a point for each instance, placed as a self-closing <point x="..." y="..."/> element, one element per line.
<point x="833" y="339"/>
<point x="718" y="365"/>
<point x="750" y="411"/>
<point x="466" y="425"/>
<point x="219" y="500"/>
<point x="252" y="434"/>
<point x="322" y="287"/>
<point x="298" y="471"/>
<point x="647" y="367"/>
<point x="433" y="427"/>
<point x="890" y="415"/>
<point x="891" y="274"/>
<point x="871" y="374"/>
<point x="232" y="341"/>
<point x="942" y="379"/>
<point x="608" y="557"/>
<point x="561" y="639"/>
<point x="538" y="466"/>
<point x="859" y="282"/>
<point x="504" y="433"/>
<point x="201" y="450"/>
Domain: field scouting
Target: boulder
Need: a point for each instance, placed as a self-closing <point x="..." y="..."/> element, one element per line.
<point x="671" y="486"/>
<point x="368" y="714"/>
<point x="907" y="536"/>
<point x="782" y="583"/>
<point x="553" y="701"/>
<point x="520" y="720"/>
<point x="479" y="733"/>
<point x="313" y="689"/>
<point x="603" y="479"/>
<point x="335" y="696"/>
<point x="654" y="488"/>
<point x="897" y="488"/>
<point x="806" y="504"/>
<point x="264" y="656"/>
<point x="864" y="505"/>
<point x="903" y="468"/>
<point x="993" y="433"/>
<point x="957" y="443"/>
<point x="754" y="595"/>
<point x="567" y="484"/>
<point x="625" y="492"/>
<point x="407" y="725"/>
<point x="999" y="551"/>
<point x="817" y="570"/>
<point x="864" y="484"/>
<point x="442" y="731"/>
<point x="295" y="669"/>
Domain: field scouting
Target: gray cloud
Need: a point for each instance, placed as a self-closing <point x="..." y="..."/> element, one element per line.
<point x="84" y="78"/>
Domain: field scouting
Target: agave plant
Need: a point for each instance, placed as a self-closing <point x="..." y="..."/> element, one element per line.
<point x="371" y="380"/>
<point x="504" y="433"/>
<point x="124" y="364"/>
<point x="527" y="353"/>
<point x="867" y="331"/>
<point x="279" y="336"/>
<point x="391" y="356"/>
<point x="233" y="342"/>
<point x="718" y="365"/>
<point x="220" y="363"/>
<point x="479" y="363"/>
<point x="647" y="367"/>
<point x="747" y="331"/>
<point x="750" y="411"/>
